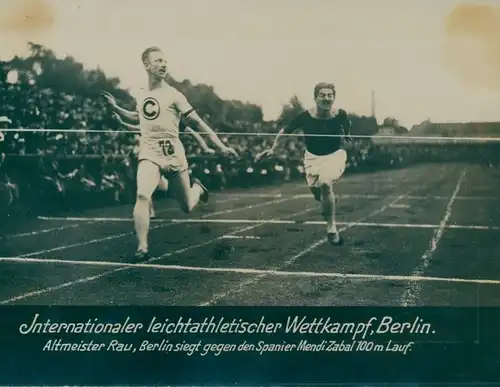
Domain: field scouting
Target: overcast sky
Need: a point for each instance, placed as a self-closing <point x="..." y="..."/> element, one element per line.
<point x="264" y="51"/>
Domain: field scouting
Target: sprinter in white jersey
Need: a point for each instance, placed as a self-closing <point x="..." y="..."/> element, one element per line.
<point x="161" y="109"/>
<point x="163" y="183"/>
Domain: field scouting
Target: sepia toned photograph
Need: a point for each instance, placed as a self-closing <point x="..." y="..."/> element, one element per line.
<point x="250" y="153"/>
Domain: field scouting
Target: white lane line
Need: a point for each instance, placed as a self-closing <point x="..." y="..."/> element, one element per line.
<point x="315" y="222"/>
<point x="164" y="225"/>
<point x="399" y="206"/>
<point x="240" y="237"/>
<point x="410" y="295"/>
<point x="92" y="220"/>
<point x="238" y="288"/>
<point x="128" y="267"/>
<point x="235" y="270"/>
<point x="411" y="197"/>
<point x="46" y="230"/>
<point x="215" y="298"/>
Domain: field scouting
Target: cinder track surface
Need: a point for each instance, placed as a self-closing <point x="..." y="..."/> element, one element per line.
<point x="425" y="235"/>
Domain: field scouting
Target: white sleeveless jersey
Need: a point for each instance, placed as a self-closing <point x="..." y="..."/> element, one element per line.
<point x="160" y="112"/>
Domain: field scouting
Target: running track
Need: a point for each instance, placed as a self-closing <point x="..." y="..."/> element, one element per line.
<point x="425" y="235"/>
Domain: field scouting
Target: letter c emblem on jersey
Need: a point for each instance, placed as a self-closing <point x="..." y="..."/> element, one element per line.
<point x="150" y="108"/>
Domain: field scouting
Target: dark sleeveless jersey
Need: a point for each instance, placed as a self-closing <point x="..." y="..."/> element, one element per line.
<point x="319" y="144"/>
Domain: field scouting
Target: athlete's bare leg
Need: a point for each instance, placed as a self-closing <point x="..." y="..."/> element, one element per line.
<point x="328" y="206"/>
<point x="186" y="195"/>
<point x="148" y="176"/>
<point x="152" y="212"/>
<point x="163" y="186"/>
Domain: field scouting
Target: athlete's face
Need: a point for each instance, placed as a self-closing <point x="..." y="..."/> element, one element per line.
<point x="157" y="64"/>
<point x="325" y="98"/>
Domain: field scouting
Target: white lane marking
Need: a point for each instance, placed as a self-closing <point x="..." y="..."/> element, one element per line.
<point x="412" y="292"/>
<point x="238" y="288"/>
<point x="164" y="225"/>
<point x="127" y="267"/>
<point x="88" y="221"/>
<point x="279" y="273"/>
<point x="240" y="237"/>
<point x="315" y="222"/>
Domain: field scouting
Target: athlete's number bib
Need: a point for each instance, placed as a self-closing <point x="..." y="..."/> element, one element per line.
<point x="167" y="147"/>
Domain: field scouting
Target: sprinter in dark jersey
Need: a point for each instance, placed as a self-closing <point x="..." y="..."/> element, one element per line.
<point x="325" y="130"/>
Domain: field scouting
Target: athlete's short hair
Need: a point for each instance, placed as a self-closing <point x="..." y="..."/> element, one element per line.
<point x="324" y="85"/>
<point x="149" y="50"/>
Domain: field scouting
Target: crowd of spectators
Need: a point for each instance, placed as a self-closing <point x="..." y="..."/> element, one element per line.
<point x="45" y="168"/>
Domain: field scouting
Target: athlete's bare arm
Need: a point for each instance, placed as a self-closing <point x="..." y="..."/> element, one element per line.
<point x="347" y="128"/>
<point x="203" y="145"/>
<point x="194" y="120"/>
<point x="135" y="128"/>
<point x="191" y="118"/>
<point x="201" y="142"/>
<point x="270" y="152"/>
<point x="129" y="115"/>
<point x="289" y="129"/>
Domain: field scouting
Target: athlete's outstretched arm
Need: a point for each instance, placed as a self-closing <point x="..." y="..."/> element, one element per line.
<point x="289" y="129"/>
<point x="191" y="118"/>
<point x="347" y="125"/>
<point x="129" y="115"/>
<point x="125" y="124"/>
<point x="269" y="152"/>
<point x="203" y="145"/>
<point x="195" y="120"/>
<point x="347" y="131"/>
<point x="201" y="142"/>
<point x="277" y="139"/>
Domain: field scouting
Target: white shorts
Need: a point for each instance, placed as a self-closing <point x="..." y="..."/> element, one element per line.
<point x="171" y="164"/>
<point x="154" y="162"/>
<point x="149" y="178"/>
<point x="325" y="169"/>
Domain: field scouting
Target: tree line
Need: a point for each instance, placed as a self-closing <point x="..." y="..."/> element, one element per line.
<point x="68" y="75"/>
